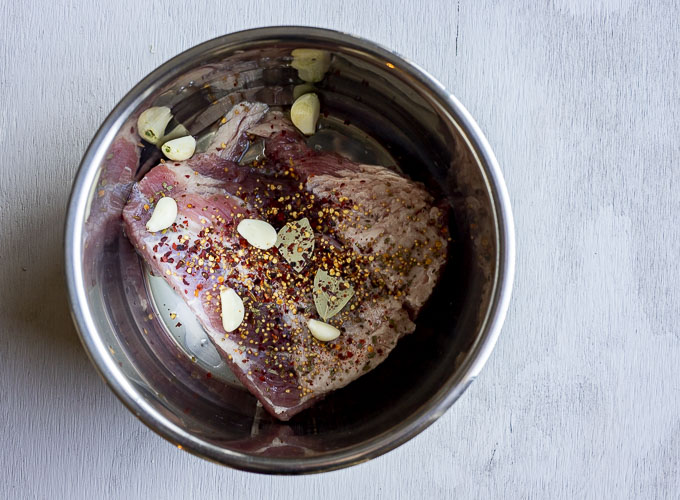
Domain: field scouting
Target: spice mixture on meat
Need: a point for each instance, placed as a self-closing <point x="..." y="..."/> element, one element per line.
<point x="304" y="268"/>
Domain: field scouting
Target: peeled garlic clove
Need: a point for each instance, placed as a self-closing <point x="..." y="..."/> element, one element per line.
<point x="300" y="90"/>
<point x="305" y="113"/>
<point x="152" y="122"/>
<point x="179" y="131"/>
<point x="258" y="233"/>
<point x="233" y="311"/>
<point x="311" y="64"/>
<point x="322" y="331"/>
<point x="163" y="216"/>
<point x="179" y="149"/>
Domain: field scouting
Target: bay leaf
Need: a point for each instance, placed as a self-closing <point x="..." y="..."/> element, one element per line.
<point x="295" y="242"/>
<point x="331" y="294"/>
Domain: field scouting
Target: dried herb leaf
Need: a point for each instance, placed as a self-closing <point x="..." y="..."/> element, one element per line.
<point x="255" y="152"/>
<point x="331" y="294"/>
<point x="295" y="242"/>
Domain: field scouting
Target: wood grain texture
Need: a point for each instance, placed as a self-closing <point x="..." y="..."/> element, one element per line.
<point x="581" y="102"/>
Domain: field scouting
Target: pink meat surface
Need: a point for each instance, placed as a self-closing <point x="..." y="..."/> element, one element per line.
<point x="377" y="229"/>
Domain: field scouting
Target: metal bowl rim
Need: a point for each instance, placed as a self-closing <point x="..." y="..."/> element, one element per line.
<point x="450" y="390"/>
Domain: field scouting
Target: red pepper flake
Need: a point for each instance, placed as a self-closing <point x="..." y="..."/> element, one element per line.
<point x="208" y="375"/>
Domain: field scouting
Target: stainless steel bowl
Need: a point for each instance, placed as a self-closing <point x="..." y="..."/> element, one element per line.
<point x="409" y="117"/>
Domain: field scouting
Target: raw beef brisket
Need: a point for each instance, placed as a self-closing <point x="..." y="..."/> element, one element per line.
<point x="378" y="230"/>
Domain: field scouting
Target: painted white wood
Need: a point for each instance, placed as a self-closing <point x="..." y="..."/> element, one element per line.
<point x="580" y="100"/>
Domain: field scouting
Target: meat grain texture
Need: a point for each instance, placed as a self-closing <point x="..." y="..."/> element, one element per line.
<point x="373" y="228"/>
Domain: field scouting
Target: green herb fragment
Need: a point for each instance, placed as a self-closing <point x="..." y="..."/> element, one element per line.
<point x="295" y="242"/>
<point x="331" y="294"/>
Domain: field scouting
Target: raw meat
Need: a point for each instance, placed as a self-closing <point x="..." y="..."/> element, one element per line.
<point x="379" y="231"/>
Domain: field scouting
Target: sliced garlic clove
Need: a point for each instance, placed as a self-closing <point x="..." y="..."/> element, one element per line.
<point x="312" y="64"/>
<point x="163" y="216"/>
<point x="233" y="311"/>
<point x="179" y="149"/>
<point x="322" y="331"/>
<point x="305" y="113"/>
<point x="258" y="233"/>
<point x="152" y="122"/>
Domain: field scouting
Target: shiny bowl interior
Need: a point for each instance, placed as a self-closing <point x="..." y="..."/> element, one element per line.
<point x="417" y="123"/>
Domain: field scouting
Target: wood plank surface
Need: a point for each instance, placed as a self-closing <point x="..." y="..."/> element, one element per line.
<point x="581" y="102"/>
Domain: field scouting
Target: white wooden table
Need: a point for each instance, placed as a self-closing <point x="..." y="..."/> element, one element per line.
<point x="581" y="102"/>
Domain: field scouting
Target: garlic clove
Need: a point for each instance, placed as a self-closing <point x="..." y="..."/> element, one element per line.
<point x="312" y="64"/>
<point x="300" y="90"/>
<point x="163" y="216"/>
<point x="179" y="149"/>
<point x="179" y="131"/>
<point x="305" y="112"/>
<point x="152" y="122"/>
<point x="322" y="331"/>
<point x="258" y="233"/>
<point x="233" y="311"/>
